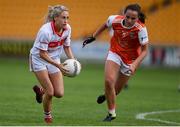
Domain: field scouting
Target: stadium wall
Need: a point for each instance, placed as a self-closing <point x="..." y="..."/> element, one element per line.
<point x="97" y="52"/>
<point x="21" y="19"/>
<point x="20" y="27"/>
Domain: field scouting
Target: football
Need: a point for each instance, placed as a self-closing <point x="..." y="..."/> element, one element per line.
<point x="73" y="66"/>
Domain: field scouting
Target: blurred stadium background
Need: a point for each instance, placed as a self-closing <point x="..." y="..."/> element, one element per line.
<point x="20" y="21"/>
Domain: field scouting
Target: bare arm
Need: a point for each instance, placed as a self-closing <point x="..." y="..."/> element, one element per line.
<point x="99" y="30"/>
<point x="95" y="34"/>
<point x="68" y="52"/>
<point x="44" y="55"/>
<point x="137" y="62"/>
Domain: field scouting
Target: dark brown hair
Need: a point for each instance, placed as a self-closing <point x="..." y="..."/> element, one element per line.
<point x="136" y="7"/>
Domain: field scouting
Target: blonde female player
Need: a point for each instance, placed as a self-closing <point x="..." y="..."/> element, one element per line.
<point x="128" y="47"/>
<point x="52" y="38"/>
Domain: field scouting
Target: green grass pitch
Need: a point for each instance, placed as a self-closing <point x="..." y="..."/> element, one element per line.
<point x="151" y="89"/>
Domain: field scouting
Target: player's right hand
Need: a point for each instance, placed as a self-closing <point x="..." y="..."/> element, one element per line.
<point x="88" y="40"/>
<point x="63" y="70"/>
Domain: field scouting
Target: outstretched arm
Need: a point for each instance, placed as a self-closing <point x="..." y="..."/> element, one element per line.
<point x="99" y="30"/>
<point x="95" y="34"/>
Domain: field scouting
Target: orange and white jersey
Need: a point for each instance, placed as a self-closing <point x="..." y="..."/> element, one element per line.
<point x="49" y="40"/>
<point x="126" y="41"/>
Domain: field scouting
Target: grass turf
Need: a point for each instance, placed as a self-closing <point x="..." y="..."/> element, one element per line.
<point x="150" y="89"/>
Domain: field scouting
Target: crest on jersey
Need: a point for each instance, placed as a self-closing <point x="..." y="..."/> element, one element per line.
<point x="142" y="38"/>
<point x="132" y="35"/>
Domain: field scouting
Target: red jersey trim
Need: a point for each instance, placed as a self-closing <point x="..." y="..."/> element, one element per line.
<point x="55" y="29"/>
<point x="55" y="44"/>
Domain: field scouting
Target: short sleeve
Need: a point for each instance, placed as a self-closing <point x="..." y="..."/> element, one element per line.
<point x="42" y="40"/>
<point x="68" y="38"/>
<point x="143" y="36"/>
<point x="110" y="20"/>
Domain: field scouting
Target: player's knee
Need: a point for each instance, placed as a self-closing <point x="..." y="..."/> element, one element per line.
<point x="49" y="93"/>
<point x="59" y="94"/>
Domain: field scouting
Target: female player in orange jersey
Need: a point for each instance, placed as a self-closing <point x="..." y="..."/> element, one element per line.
<point x="53" y="37"/>
<point x="128" y="47"/>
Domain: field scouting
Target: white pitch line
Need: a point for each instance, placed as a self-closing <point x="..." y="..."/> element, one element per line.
<point x="143" y="115"/>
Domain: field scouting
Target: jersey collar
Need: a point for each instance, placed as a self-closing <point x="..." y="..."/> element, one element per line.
<point x="55" y="29"/>
<point x="125" y="26"/>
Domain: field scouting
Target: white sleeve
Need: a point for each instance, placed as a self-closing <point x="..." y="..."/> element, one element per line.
<point x="42" y="40"/>
<point x="109" y="20"/>
<point x="143" y="36"/>
<point x="68" y="38"/>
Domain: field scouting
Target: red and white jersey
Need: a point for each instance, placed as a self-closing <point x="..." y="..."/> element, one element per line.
<point x="126" y="41"/>
<point x="49" y="40"/>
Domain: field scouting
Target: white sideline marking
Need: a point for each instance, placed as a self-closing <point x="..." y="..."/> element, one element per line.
<point x="143" y="115"/>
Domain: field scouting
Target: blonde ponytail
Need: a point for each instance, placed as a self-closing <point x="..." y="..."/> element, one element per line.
<point x="54" y="11"/>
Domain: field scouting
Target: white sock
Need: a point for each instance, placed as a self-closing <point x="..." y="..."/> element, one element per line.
<point x="113" y="112"/>
<point x="47" y="115"/>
